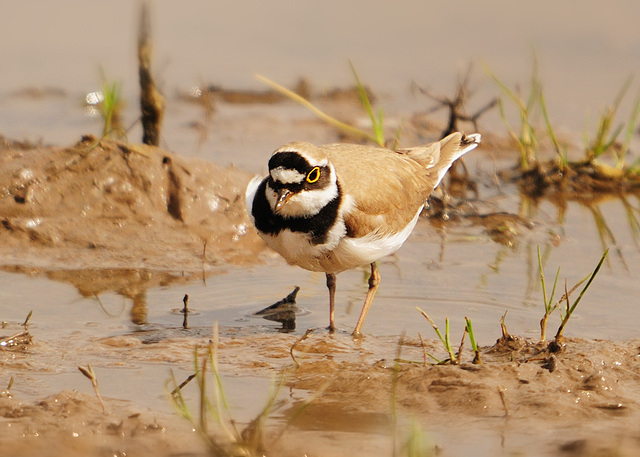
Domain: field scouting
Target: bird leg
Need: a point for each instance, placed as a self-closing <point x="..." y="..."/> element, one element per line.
<point x="331" y="285"/>
<point x="374" y="281"/>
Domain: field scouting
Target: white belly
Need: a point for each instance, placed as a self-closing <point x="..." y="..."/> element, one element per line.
<point x="340" y="253"/>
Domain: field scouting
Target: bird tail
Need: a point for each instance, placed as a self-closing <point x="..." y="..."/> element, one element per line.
<point x="438" y="157"/>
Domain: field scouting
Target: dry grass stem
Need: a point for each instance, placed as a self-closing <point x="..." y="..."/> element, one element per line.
<point x="91" y="375"/>
<point x="503" y="399"/>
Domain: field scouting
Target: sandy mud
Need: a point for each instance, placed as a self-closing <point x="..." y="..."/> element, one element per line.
<point x="350" y="397"/>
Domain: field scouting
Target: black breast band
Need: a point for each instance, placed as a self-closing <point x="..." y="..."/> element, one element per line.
<point x="317" y="226"/>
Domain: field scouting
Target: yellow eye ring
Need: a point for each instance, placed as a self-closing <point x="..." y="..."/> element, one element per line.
<point x="313" y="175"/>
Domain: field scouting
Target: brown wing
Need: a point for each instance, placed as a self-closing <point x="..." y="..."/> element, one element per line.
<point x="388" y="188"/>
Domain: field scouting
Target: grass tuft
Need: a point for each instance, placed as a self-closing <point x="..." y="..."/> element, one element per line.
<point x="445" y="339"/>
<point x="606" y="136"/>
<point x="110" y="106"/>
<point x="526" y="139"/>
<point x="214" y="422"/>
<point x="570" y="180"/>
<point x="548" y="301"/>
<point x="550" y="306"/>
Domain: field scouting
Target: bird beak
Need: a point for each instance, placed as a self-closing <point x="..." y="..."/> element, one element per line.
<point x="283" y="197"/>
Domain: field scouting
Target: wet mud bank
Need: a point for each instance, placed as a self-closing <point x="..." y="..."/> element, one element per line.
<point x="106" y="204"/>
<point x="344" y="397"/>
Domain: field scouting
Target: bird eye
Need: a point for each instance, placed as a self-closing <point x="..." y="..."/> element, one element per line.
<point x="313" y="175"/>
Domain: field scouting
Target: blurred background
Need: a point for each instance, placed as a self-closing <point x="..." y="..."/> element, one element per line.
<point x="59" y="48"/>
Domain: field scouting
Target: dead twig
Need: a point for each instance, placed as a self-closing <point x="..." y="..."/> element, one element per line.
<point x="456" y="105"/>
<point x="18" y="339"/>
<point x="151" y="100"/>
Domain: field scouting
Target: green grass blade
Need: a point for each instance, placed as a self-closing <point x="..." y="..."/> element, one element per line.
<point x="622" y="92"/>
<point x="364" y="99"/>
<point x="322" y="115"/>
<point x="591" y="278"/>
<point x="612" y="138"/>
<point x="571" y="309"/>
<point x="505" y="89"/>
<point x="535" y="85"/>
<point x="631" y="128"/>
<point x="553" y="291"/>
<point x="446" y="334"/>
<point x="562" y="155"/>
<point x="542" y="281"/>
<point x="474" y="345"/>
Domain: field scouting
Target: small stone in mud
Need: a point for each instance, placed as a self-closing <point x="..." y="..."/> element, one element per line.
<point x="551" y="364"/>
<point x="575" y="446"/>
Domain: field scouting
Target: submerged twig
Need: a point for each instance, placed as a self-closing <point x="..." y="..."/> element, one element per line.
<point x="18" y="339"/>
<point x="506" y="336"/>
<point x="299" y="340"/>
<point x="459" y="355"/>
<point x="503" y="399"/>
<point x="394" y="386"/>
<point x="185" y="311"/>
<point x="182" y="385"/>
<point x="26" y="321"/>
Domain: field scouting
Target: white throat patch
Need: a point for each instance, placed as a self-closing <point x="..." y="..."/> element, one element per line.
<point x="306" y="203"/>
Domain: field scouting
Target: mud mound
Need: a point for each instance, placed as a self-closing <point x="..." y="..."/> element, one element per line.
<point x="109" y="204"/>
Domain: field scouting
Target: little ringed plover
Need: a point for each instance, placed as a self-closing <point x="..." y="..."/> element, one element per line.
<point x="335" y="207"/>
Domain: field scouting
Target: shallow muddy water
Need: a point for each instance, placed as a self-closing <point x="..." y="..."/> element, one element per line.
<point x="125" y="320"/>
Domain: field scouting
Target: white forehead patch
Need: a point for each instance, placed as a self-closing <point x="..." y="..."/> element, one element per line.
<point x="286" y="175"/>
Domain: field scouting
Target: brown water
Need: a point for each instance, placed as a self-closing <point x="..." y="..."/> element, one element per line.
<point x="50" y="65"/>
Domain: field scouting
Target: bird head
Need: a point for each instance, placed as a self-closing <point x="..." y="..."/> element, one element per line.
<point x="300" y="183"/>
